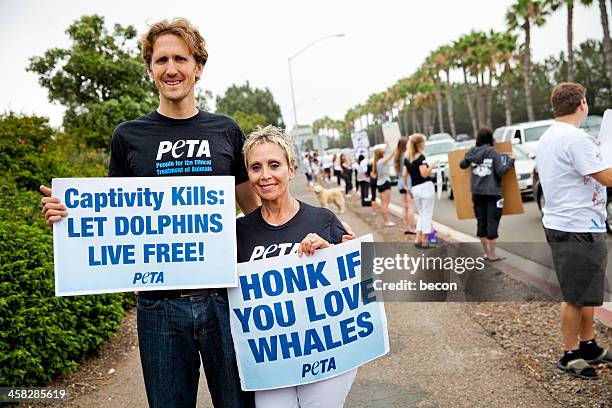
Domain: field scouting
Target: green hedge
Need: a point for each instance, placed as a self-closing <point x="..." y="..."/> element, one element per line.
<point x="41" y="335"/>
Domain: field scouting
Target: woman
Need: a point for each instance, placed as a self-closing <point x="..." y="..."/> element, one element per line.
<point x="372" y="175"/>
<point x="337" y="167"/>
<point x="488" y="167"/>
<point x="347" y="174"/>
<point x="281" y="219"/>
<point x="383" y="182"/>
<point x="422" y="189"/>
<point x="399" y="164"/>
<point x="363" y="180"/>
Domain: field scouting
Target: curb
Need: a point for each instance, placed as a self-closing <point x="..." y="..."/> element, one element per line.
<point x="526" y="271"/>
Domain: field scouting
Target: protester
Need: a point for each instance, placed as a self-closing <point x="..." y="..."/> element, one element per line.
<point x="170" y="336"/>
<point x="307" y="168"/>
<point x="383" y="182"/>
<point x="280" y="222"/>
<point x="363" y="180"/>
<point x="337" y="167"/>
<point x="403" y="186"/>
<point x="347" y="174"/>
<point x="488" y="167"/>
<point x="373" y="180"/>
<point x="316" y="169"/>
<point x="422" y="188"/>
<point x="573" y="176"/>
<point x="326" y="164"/>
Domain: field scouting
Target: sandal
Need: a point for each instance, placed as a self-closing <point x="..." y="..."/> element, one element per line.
<point x="579" y="368"/>
<point x="407" y="232"/>
<point x="604" y="357"/>
<point x="496" y="259"/>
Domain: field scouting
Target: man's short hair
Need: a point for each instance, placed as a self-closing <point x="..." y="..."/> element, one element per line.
<point x="180" y="27"/>
<point x="270" y="134"/>
<point x="566" y="98"/>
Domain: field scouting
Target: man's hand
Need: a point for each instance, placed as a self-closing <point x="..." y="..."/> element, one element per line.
<point x="53" y="209"/>
<point x="349" y="233"/>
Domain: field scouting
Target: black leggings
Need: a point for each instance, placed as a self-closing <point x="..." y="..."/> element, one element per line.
<point x="373" y="189"/>
<point x="348" y="180"/>
<point x="364" y="186"/>
<point x="487" y="215"/>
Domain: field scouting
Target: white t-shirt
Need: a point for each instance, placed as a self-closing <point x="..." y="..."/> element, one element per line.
<point x="306" y="166"/>
<point x="574" y="201"/>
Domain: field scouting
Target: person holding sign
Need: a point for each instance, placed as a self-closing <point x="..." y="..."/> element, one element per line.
<point x="573" y="174"/>
<point x="422" y="187"/>
<point x="281" y="226"/>
<point x="179" y="328"/>
<point x="403" y="185"/>
<point x="380" y="170"/>
<point x="488" y="167"/>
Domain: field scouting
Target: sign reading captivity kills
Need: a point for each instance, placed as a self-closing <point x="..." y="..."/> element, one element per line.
<point x="145" y="233"/>
<point x="297" y="320"/>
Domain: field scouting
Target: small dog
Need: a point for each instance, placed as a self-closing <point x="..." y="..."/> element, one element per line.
<point x="329" y="195"/>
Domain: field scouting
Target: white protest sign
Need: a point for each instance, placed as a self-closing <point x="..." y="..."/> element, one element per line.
<point x="391" y="133"/>
<point x="605" y="136"/>
<point x="144" y="233"/>
<point x="297" y="320"/>
<point x="361" y="144"/>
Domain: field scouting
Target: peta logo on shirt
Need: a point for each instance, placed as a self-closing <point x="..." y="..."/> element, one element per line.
<point x="192" y="149"/>
<point x="261" y="252"/>
<point x="483" y="169"/>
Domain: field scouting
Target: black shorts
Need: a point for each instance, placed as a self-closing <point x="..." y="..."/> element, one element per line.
<point x="487" y="215"/>
<point x="402" y="191"/>
<point x="580" y="260"/>
<point x="384" y="187"/>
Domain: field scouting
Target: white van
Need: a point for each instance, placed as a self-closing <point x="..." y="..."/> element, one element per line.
<point x="525" y="134"/>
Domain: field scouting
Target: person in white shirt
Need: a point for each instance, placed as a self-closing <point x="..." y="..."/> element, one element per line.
<point x="574" y="177"/>
<point x="307" y="170"/>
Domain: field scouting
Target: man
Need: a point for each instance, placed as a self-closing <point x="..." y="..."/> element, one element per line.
<point x="573" y="175"/>
<point x="176" y="328"/>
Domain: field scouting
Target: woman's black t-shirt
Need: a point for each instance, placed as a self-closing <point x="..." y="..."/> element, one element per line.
<point x="258" y="240"/>
<point x="415" y="173"/>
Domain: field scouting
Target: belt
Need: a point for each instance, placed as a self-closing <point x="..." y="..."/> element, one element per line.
<point x="182" y="293"/>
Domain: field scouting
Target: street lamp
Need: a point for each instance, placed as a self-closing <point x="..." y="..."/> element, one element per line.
<point x="291" y="73"/>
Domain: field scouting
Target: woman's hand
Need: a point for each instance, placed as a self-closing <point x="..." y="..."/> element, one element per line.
<point x="311" y="243"/>
<point x="53" y="209"/>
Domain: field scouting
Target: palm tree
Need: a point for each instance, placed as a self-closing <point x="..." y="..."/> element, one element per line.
<point x="445" y="59"/>
<point x="507" y="48"/>
<point x="524" y="14"/>
<point x="607" y="43"/>
<point x="433" y="69"/>
<point x="464" y="52"/>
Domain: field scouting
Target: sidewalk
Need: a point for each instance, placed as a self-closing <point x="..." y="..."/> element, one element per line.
<point x="439" y="356"/>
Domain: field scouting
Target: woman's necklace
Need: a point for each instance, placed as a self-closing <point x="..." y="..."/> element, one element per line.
<point x="294" y="210"/>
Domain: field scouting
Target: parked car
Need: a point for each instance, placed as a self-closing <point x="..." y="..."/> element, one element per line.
<point x="525" y="134"/>
<point x="462" y="137"/>
<point x="591" y="125"/>
<point x="437" y="151"/>
<point x="439" y="136"/>
<point x="539" y="196"/>
<point x="523" y="166"/>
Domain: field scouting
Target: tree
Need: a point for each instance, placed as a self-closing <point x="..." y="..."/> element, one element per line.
<point x="100" y="74"/>
<point x="524" y="14"/>
<point x="607" y="43"/>
<point x="243" y="98"/>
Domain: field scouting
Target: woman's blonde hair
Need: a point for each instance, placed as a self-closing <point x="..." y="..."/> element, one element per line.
<point x="378" y="154"/>
<point x="270" y="134"/>
<point x="416" y="145"/>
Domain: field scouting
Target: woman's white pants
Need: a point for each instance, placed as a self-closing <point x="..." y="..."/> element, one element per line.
<point x="329" y="393"/>
<point x="424" y="199"/>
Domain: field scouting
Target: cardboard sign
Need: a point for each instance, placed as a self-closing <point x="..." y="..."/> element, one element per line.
<point x="361" y="144"/>
<point x="391" y="133"/>
<point x="144" y="233"/>
<point x="296" y="320"/>
<point x="461" y="184"/>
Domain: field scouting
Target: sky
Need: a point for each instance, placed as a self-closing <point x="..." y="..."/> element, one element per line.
<point x="252" y="40"/>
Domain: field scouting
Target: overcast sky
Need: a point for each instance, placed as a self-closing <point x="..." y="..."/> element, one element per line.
<point x="252" y="40"/>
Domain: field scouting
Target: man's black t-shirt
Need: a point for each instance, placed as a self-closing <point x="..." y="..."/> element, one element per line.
<point x="415" y="173"/>
<point x="155" y="146"/>
<point x="258" y="240"/>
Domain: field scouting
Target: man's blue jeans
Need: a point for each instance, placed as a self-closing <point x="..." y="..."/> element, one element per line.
<point x="173" y="335"/>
